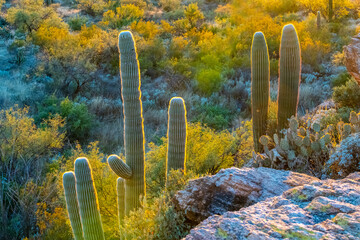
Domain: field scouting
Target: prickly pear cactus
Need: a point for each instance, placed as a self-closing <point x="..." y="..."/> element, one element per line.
<point x="260" y="87"/>
<point x="289" y="75"/>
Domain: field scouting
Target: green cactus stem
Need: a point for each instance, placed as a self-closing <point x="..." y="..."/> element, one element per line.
<point x="72" y="204"/>
<point x="120" y="193"/>
<point x="176" y="134"/>
<point x="87" y="199"/>
<point x="133" y="121"/>
<point x="331" y="10"/>
<point x="260" y="87"/>
<point x="289" y="75"/>
<point x="318" y="20"/>
<point x="119" y="167"/>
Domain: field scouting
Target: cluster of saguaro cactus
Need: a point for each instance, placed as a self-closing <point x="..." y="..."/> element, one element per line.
<point x="82" y="203"/>
<point x="81" y="200"/>
<point x="289" y="81"/>
<point x="260" y="87"/>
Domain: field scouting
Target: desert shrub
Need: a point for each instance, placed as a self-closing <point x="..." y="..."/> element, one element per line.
<point x="147" y="29"/>
<point x="345" y="160"/>
<point x="209" y="81"/>
<point x="92" y="7"/>
<point x="122" y="16"/>
<point x="26" y="154"/>
<point x="158" y="219"/>
<point x="278" y="7"/>
<point x="76" y="22"/>
<point x="340" y="79"/>
<point x="348" y="95"/>
<point x="79" y="120"/>
<point x="29" y="15"/>
<point x="341" y="9"/>
<point x="169" y="5"/>
<point x="214" y="116"/>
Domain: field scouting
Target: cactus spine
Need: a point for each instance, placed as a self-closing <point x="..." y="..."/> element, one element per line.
<point x="72" y="204"/>
<point x="289" y="75"/>
<point x="87" y="200"/>
<point x="260" y="87"/>
<point x="318" y="20"/>
<point x="133" y="171"/>
<point x="176" y="134"/>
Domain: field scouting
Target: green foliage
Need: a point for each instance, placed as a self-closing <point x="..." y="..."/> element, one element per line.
<point x="348" y="95"/>
<point x="209" y="81"/>
<point x="341" y="79"/>
<point x="79" y="121"/>
<point x="213" y="116"/>
<point x="92" y="7"/>
<point x="76" y="22"/>
<point x="124" y="15"/>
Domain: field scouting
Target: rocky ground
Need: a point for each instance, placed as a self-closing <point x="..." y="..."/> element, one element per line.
<point x="313" y="209"/>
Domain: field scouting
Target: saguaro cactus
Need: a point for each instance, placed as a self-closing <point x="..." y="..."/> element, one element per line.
<point x="176" y="134"/>
<point x="133" y="171"/>
<point x="289" y="75"/>
<point x="120" y="193"/>
<point x="331" y="10"/>
<point x="72" y="204"/>
<point x="260" y="87"/>
<point x="87" y="199"/>
<point x="318" y="20"/>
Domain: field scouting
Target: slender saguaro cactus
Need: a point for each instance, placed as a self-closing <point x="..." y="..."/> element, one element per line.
<point x="260" y="87"/>
<point x="72" y="204"/>
<point x="318" y="20"/>
<point x="133" y="171"/>
<point x="331" y="10"/>
<point x="289" y="75"/>
<point x="87" y="199"/>
<point x="176" y="134"/>
<point x="120" y="193"/>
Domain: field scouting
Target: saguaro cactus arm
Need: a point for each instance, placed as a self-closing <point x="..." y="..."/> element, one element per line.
<point x="260" y="87"/>
<point x="72" y="204"/>
<point x="120" y="193"/>
<point x="87" y="199"/>
<point x="119" y="167"/>
<point x="176" y="134"/>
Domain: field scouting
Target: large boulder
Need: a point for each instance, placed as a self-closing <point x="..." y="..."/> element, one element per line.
<point x="352" y="57"/>
<point x="232" y="189"/>
<point x="323" y="209"/>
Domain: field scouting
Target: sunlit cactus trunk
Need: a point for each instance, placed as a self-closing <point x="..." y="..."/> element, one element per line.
<point x="176" y="134"/>
<point x="133" y="121"/>
<point x="87" y="199"/>
<point x="120" y="193"/>
<point x="72" y="204"/>
<point x="289" y="75"/>
<point x="260" y="87"/>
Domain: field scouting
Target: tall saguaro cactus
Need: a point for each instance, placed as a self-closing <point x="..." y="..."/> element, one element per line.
<point x="289" y="75"/>
<point x="331" y="10"/>
<point x="133" y="171"/>
<point x="87" y="200"/>
<point x="318" y="20"/>
<point x="260" y="87"/>
<point x="176" y="134"/>
<point x="72" y="204"/>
